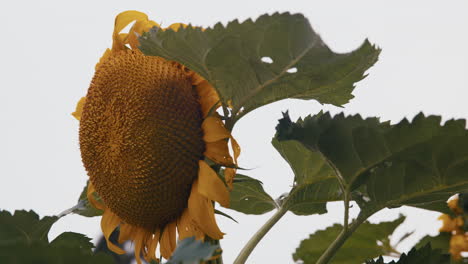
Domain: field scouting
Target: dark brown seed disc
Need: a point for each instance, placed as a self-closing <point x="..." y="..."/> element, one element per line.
<point x="141" y="138"/>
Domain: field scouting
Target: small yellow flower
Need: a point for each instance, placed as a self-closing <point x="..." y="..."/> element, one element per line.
<point x="145" y="132"/>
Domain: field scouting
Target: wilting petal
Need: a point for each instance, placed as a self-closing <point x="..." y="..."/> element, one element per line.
<point x="109" y="222"/>
<point x="211" y="186"/>
<point x="187" y="228"/>
<point x="235" y="148"/>
<point x="229" y="174"/>
<point x="214" y="130"/>
<point x="202" y="212"/>
<point x="152" y="243"/>
<point x="168" y="240"/>
<point x="79" y="108"/>
<point x="219" y="152"/>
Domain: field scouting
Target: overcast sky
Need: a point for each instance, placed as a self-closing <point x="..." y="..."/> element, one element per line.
<point x="48" y="50"/>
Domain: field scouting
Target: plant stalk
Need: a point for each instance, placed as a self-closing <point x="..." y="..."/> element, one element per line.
<point x="249" y="247"/>
<point x="341" y="239"/>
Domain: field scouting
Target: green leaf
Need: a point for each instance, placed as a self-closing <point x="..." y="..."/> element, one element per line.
<point x="314" y="184"/>
<point x="191" y="251"/>
<point x="363" y="244"/>
<point x="232" y="58"/>
<point x="441" y="241"/>
<point x="84" y="207"/>
<point x="248" y="197"/>
<point x="73" y="240"/>
<point x="23" y="239"/>
<point x="24" y="226"/>
<point x="416" y="164"/>
<point x="424" y="255"/>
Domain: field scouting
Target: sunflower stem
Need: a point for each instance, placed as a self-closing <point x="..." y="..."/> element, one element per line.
<point x="341" y="239"/>
<point x="249" y="247"/>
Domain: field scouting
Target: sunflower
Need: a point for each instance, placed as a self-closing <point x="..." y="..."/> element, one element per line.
<point x="149" y="132"/>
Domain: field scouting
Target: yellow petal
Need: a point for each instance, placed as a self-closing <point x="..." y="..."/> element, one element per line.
<point x="202" y="212"/>
<point x="109" y="222"/>
<point x="219" y="152"/>
<point x="139" y="240"/>
<point x="79" y="108"/>
<point x="92" y="199"/>
<point x="208" y="97"/>
<point x="187" y="228"/>
<point x="229" y="174"/>
<point x="125" y="233"/>
<point x="168" y="240"/>
<point x="211" y="186"/>
<point x="121" y="21"/>
<point x="152" y="243"/>
<point x="235" y="149"/>
<point x="214" y="130"/>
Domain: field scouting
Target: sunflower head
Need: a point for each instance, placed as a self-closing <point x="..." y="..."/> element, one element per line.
<point x="145" y="131"/>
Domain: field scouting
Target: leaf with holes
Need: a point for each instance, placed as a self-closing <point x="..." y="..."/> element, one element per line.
<point x="248" y="197"/>
<point x="315" y="182"/>
<point x="416" y="164"/>
<point x="366" y="242"/>
<point x="254" y="63"/>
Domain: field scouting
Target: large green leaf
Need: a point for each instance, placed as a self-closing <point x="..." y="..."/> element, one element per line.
<point x="23" y="239"/>
<point x="424" y="255"/>
<point x="416" y="164"/>
<point x="24" y="227"/>
<point x="254" y="63"/>
<point x="314" y="184"/>
<point x="367" y="242"/>
<point x="248" y="197"/>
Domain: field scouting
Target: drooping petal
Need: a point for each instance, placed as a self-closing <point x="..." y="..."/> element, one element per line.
<point x="79" y="108"/>
<point x="219" y="152"/>
<point x="187" y="228"/>
<point x="168" y="240"/>
<point x="211" y="186"/>
<point x="201" y="210"/>
<point x="139" y="239"/>
<point x="214" y="130"/>
<point x="126" y="232"/>
<point x="121" y="21"/>
<point x="152" y="243"/>
<point x="109" y="222"/>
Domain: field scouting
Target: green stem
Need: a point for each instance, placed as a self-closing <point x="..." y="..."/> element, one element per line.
<point x="342" y="237"/>
<point x="249" y="247"/>
<point x="346" y="210"/>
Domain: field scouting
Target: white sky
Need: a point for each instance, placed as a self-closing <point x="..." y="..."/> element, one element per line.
<point x="48" y="50"/>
